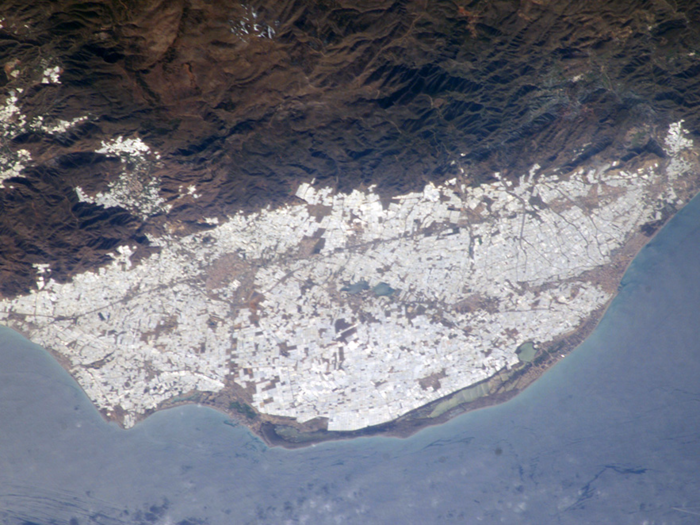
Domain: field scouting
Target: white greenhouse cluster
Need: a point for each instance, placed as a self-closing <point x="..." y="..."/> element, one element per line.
<point x="341" y="306"/>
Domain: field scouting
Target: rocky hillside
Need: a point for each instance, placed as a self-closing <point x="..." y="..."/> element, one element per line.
<point x="239" y="103"/>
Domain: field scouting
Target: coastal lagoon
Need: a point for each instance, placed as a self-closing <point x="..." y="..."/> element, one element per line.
<point x="610" y="435"/>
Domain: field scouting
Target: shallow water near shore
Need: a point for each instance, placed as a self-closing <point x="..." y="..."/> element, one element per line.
<point x="610" y="435"/>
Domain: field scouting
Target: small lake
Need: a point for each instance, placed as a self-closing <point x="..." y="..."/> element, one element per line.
<point x="611" y="435"/>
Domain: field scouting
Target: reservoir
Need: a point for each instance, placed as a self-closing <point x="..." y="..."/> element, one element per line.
<point x="610" y="435"/>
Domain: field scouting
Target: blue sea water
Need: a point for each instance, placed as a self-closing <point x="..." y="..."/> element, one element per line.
<point x="611" y="435"/>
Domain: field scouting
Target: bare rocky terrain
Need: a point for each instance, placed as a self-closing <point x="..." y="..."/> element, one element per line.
<point x="248" y="100"/>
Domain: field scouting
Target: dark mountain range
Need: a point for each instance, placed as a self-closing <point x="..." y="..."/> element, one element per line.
<point x="247" y="100"/>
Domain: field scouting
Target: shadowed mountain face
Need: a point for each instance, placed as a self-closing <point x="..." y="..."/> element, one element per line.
<point x="247" y="100"/>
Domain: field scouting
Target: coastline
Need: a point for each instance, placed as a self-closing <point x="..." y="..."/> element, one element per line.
<point x="278" y="432"/>
<point x="573" y="412"/>
<point x="501" y="387"/>
<point x="269" y="405"/>
<point x="291" y="435"/>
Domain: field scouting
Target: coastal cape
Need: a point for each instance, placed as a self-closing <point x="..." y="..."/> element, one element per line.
<point x="338" y="312"/>
<point x="332" y="219"/>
